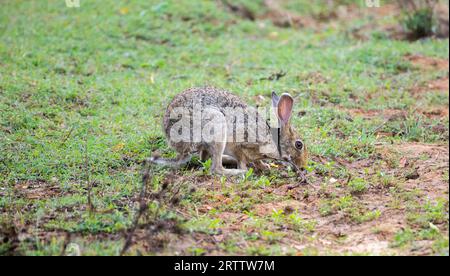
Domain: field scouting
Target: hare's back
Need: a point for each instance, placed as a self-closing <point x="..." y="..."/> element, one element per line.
<point x="199" y="97"/>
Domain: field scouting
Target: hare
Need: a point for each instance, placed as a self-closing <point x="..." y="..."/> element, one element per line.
<point x="216" y="124"/>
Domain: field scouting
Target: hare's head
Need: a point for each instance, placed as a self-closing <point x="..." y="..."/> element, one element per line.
<point x="290" y="145"/>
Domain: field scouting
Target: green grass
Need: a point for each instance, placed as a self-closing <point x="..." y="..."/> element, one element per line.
<point x="82" y="93"/>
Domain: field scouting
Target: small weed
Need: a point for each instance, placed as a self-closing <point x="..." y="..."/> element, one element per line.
<point x="206" y="167"/>
<point x="326" y="207"/>
<point x="357" y="185"/>
<point x="272" y="237"/>
<point x="403" y="238"/>
<point x="196" y="251"/>
<point x="248" y="175"/>
<point x="203" y="224"/>
<point x="263" y="182"/>
<point x="278" y="216"/>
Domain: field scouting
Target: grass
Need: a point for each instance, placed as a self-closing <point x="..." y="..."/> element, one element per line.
<point x="83" y="90"/>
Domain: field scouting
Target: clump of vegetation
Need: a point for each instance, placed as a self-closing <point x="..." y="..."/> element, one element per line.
<point x="418" y="19"/>
<point x="206" y="167"/>
<point x="420" y="23"/>
<point x="430" y="212"/>
<point x="403" y="238"/>
<point x="357" y="185"/>
<point x="263" y="181"/>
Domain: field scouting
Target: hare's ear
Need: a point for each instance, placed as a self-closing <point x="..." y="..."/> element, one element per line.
<point x="275" y="99"/>
<point x="285" y="105"/>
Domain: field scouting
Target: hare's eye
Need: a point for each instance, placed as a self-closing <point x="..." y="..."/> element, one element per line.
<point x="298" y="144"/>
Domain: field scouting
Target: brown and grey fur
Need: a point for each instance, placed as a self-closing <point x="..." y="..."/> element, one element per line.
<point x="226" y="150"/>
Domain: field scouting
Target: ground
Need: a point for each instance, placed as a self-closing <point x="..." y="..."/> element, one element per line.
<point x="83" y="90"/>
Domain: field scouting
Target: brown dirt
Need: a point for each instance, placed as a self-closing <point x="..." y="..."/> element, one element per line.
<point x="440" y="85"/>
<point x="437" y="85"/>
<point x="37" y="190"/>
<point x="436" y="112"/>
<point x="427" y="63"/>
<point x="389" y="114"/>
<point x="428" y="163"/>
<point x="372" y="237"/>
<point x="268" y="208"/>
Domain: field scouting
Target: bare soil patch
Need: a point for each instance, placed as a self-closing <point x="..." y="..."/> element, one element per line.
<point x="436" y="112"/>
<point x="37" y="190"/>
<point x="288" y="206"/>
<point x="389" y="114"/>
<point x="365" y="238"/>
<point x="437" y="85"/>
<point x="428" y="63"/>
<point x="424" y="167"/>
<point x="440" y="84"/>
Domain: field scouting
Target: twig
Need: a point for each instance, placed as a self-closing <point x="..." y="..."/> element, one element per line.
<point x="142" y="208"/>
<point x="66" y="137"/>
<point x="89" y="184"/>
<point x="349" y="178"/>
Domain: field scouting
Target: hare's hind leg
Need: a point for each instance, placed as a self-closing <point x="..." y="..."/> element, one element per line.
<point x="217" y="149"/>
<point x="176" y="163"/>
<point x="217" y="158"/>
<point x="214" y="140"/>
<point x="183" y="157"/>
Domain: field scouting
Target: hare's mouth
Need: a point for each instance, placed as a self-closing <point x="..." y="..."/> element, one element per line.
<point x="292" y="163"/>
<point x="287" y="161"/>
